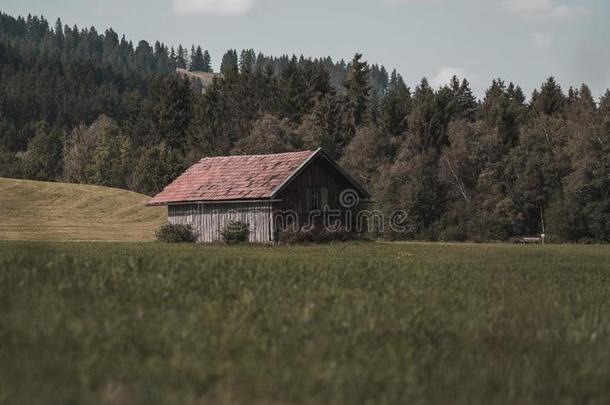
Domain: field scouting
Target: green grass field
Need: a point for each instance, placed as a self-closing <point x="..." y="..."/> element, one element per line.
<point x="39" y="210"/>
<point x="147" y="323"/>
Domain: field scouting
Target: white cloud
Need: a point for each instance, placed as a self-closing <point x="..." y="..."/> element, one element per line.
<point x="446" y="73"/>
<point x="542" y="39"/>
<point x="444" y="76"/>
<point x="545" y="9"/>
<point x="213" y="7"/>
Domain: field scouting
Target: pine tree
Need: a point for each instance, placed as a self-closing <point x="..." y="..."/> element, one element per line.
<point x="59" y="34"/>
<point x="422" y="120"/>
<point x="207" y="62"/>
<point x="181" y="57"/>
<point x="604" y="110"/>
<point x="580" y="106"/>
<point x="395" y="106"/>
<point x="229" y="64"/>
<point x="42" y="160"/>
<point x="173" y="58"/>
<point x="145" y="61"/>
<point x="323" y="127"/>
<point x="173" y="110"/>
<point x="317" y="80"/>
<point x="197" y="60"/>
<point x="504" y="108"/>
<point x="586" y="98"/>
<point x="465" y="103"/>
<point x="383" y="80"/>
<point x="247" y="60"/>
<point x="292" y="89"/>
<point x="357" y="94"/>
<point x="604" y="102"/>
<point x="550" y="100"/>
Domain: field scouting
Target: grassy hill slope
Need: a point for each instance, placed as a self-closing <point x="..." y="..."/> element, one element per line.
<point x="37" y="210"/>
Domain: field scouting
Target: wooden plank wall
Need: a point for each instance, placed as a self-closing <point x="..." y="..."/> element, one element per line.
<point x="320" y="174"/>
<point x="208" y="220"/>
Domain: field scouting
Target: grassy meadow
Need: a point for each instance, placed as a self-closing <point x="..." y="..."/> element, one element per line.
<point x="147" y="323"/>
<point x="41" y="210"/>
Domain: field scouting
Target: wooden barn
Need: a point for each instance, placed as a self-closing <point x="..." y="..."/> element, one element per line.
<point x="267" y="192"/>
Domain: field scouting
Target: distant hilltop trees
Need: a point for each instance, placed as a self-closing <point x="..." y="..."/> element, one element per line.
<point x="85" y="107"/>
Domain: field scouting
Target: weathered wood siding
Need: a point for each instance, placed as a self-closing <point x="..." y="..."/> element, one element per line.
<point x="208" y="220"/>
<point x="319" y="174"/>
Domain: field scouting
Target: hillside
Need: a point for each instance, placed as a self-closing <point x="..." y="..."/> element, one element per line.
<point x="205" y="78"/>
<point x="37" y="210"/>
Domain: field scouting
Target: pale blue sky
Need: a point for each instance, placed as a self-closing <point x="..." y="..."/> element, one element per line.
<point x="523" y="41"/>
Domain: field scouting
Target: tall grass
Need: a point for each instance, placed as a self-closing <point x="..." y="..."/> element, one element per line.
<point x="347" y="323"/>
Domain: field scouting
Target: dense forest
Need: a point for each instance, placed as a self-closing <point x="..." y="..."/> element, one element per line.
<point x="80" y="106"/>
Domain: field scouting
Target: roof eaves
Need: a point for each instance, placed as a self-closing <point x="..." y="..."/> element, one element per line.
<point x="197" y="201"/>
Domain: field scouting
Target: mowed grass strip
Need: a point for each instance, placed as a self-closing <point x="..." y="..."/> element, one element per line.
<point x="391" y="323"/>
<point x="38" y="210"/>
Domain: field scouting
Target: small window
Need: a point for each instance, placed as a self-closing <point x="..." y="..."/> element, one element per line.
<point x="312" y="199"/>
<point x="316" y="199"/>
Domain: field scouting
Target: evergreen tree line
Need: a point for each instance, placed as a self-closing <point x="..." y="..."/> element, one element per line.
<point x="36" y="39"/>
<point x="462" y="169"/>
<point x="248" y="61"/>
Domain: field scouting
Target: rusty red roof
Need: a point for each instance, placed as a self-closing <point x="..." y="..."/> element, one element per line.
<point x="233" y="178"/>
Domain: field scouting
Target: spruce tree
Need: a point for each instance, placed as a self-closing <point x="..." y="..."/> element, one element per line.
<point x="395" y="106"/>
<point x="197" y="60"/>
<point x="604" y="101"/>
<point x="59" y="34"/>
<point x="42" y="160"/>
<point x="173" y="58"/>
<point x="504" y="108"/>
<point x="173" y="110"/>
<point x="228" y="65"/>
<point x="207" y="62"/>
<point x="357" y="90"/>
<point x="604" y="110"/>
<point x="465" y="103"/>
<point x="422" y="118"/>
<point x="181" y="57"/>
<point x="247" y="60"/>
<point x="550" y="100"/>
<point x="292" y="88"/>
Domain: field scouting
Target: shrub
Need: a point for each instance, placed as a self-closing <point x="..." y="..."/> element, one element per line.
<point x="236" y="232"/>
<point x="175" y="233"/>
<point x="317" y="235"/>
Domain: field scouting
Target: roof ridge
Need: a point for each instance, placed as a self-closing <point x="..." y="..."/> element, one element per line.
<point x="260" y="155"/>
